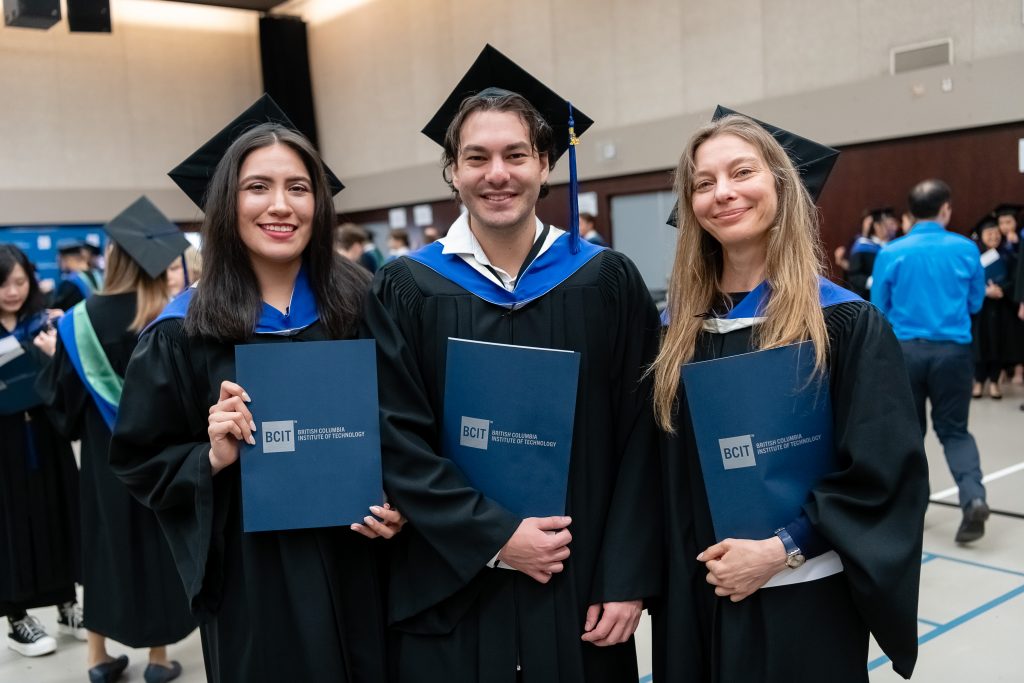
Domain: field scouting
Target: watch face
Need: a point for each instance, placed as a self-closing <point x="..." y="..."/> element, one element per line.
<point x="795" y="560"/>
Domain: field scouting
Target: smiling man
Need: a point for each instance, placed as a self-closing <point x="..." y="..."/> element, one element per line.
<point x="478" y="593"/>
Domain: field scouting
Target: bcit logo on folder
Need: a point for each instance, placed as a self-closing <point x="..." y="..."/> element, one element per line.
<point x="475" y="432"/>
<point x="279" y="436"/>
<point x="737" y="452"/>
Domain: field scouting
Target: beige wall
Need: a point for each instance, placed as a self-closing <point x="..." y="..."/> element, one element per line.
<point x="648" y="71"/>
<point x="88" y="122"/>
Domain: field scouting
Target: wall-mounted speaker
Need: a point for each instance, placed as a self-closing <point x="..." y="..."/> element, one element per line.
<point x="284" y="57"/>
<point x="31" y="13"/>
<point x="89" y="16"/>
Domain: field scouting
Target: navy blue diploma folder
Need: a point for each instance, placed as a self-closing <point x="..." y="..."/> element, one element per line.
<point x="508" y="419"/>
<point x="763" y="426"/>
<point x="316" y="462"/>
<point x="18" y="373"/>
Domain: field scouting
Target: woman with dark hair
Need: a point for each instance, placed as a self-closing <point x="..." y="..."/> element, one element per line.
<point x="131" y="589"/>
<point x="38" y="482"/>
<point x="276" y="606"/>
<point x="795" y="599"/>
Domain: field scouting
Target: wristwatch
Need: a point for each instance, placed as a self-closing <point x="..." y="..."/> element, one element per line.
<point x="794" y="556"/>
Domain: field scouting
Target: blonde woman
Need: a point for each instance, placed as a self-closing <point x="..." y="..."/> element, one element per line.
<point x="132" y="592"/>
<point x="747" y="276"/>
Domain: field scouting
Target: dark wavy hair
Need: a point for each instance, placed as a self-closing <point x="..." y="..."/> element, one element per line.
<point x="227" y="303"/>
<point x="542" y="135"/>
<point x="11" y="256"/>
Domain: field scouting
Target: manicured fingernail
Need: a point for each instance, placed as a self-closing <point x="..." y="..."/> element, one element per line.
<point x="251" y="440"/>
<point x="354" y="527"/>
<point x="376" y="509"/>
<point x="367" y="519"/>
<point x="700" y="558"/>
<point x="245" y="397"/>
<point x="252" y="426"/>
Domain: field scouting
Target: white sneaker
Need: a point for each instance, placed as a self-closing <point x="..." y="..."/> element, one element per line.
<point x="28" y="638"/>
<point x="69" y="620"/>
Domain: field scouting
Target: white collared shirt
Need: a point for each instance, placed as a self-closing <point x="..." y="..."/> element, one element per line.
<point x="461" y="241"/>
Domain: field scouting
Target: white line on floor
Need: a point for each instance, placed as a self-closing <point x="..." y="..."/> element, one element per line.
<point x="998" y="474"/>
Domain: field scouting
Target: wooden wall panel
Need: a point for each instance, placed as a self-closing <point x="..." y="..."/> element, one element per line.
<point x="980" y="165"/>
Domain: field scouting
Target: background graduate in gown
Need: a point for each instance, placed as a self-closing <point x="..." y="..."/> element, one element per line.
<point x="992" y="328"/>
<point x="301" y="605"/>
<point x="744" y="219"/>
<point x="132" y="592"/>
<point x="39" y="537"/>
<point x="478" y="593"/>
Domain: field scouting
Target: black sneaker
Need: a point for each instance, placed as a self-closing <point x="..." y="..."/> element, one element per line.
<point x="972" y="527"/>
<point x="28" y="638"/>
<point x="69" y="620"/>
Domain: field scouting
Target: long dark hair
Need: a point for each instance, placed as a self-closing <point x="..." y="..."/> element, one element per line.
<point x="11" y="256"/>
<point x="227" y="302"/>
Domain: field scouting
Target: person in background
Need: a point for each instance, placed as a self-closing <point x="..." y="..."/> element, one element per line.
<point x="79" y="279"/>
<point x="430" y="235"/>
<point x="132" y="592"/>
<point x="295" y="605"/>
<point x="39" y="532"/>
<point x="1006" y="215"/>
<point x="928" y="284"/>
<point x="748" y="276"/>
<point x="371" y="259"/>
<point x="184" y="271"/>
<point x="398" y="244"/>
<point x="350" y="240"/>
<point x="588" y="230"/>
<point x="879" y="225"/>
<point x="990" y="327"/>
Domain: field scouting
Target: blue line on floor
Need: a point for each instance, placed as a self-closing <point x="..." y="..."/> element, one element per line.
<point x="647" y="679"/>
<point x="962" y="619"/>
<point x="929" y="623"/>
<point x="975" y="564"/>
<point x="927" y="557"/>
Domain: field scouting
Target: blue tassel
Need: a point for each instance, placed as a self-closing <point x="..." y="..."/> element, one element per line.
<point x="574" y="190"/>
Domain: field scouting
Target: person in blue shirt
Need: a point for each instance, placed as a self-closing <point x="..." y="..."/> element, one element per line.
<point x="928" y="284"/>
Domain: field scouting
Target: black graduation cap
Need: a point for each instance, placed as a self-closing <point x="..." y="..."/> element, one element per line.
<point x="147" y="236"/>
<point x="1007" y="210"/>
<point x="881" y="212"/>
<point x="193" y="175"/>
<point x="813" y="160"/>
<point x="495" y="74"/>
<point x="70" y="245"/>
<point x="987" y="221"/>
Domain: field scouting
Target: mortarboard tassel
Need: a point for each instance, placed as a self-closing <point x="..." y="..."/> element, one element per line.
<point x="574" y="203"/>
<point x="184" y="269"/>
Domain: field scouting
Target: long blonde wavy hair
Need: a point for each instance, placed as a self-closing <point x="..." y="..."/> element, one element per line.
<point x="793" y="265"/>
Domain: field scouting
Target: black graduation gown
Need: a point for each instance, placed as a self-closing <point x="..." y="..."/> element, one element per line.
<point x="862" y="264"/>
<point x="67" y="293"/>
<point x="453" y="619"/>
<point x="303" y="605"/>
<point x="871" y="512"/>
<point x="993" y="330"/>
<point x="39" y="540"/>
<point x="131" y="588"/>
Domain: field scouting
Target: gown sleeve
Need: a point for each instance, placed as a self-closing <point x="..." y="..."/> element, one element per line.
<point x="160" y="450"/>
<point x="453" y="530"/>
<point x="61" y="389"/>
<point x="872" y="510"/>
<point x="629" y="563"/>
